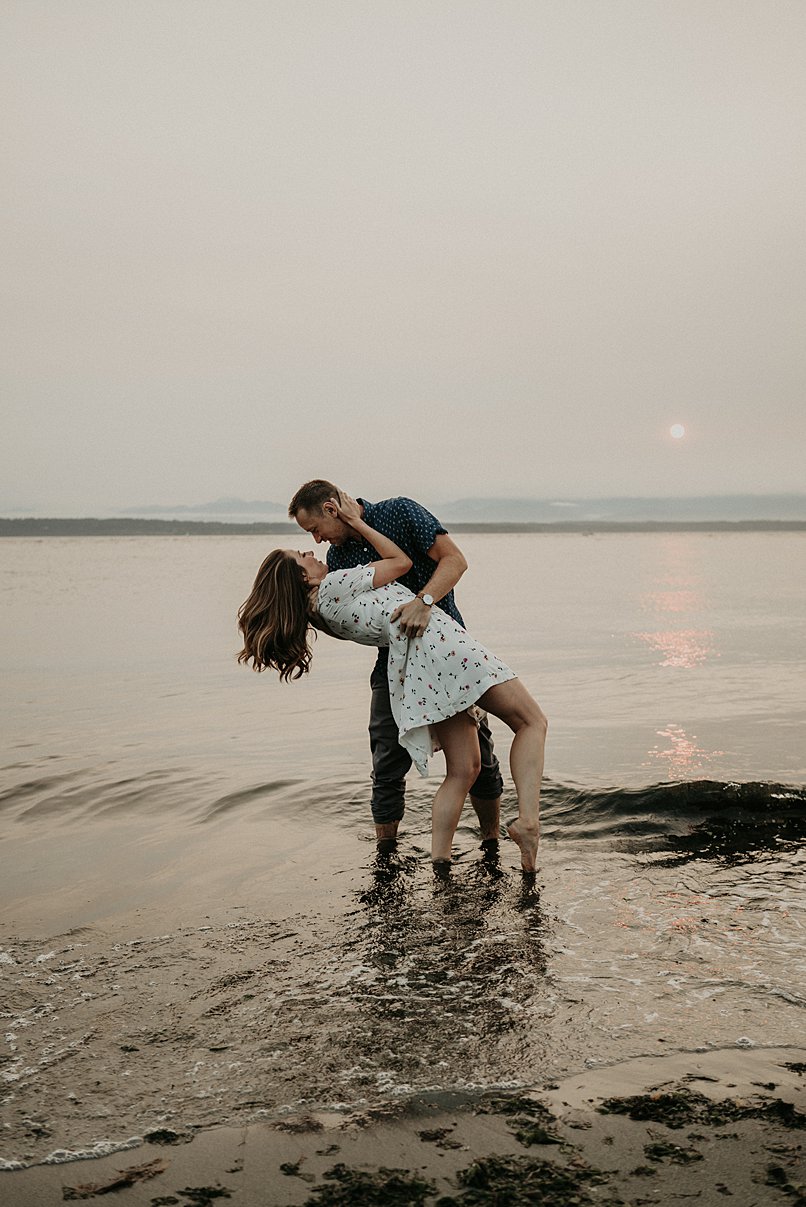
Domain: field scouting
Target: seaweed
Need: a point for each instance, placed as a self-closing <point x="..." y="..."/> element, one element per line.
<point x="166" y="1135"/>
<point x="293" y="1169"/>
<point x="661" y="1150"/>
<point x="441" y="1136"/>
<point x="778" y="1177"/>
<point x="529" y="1132"/>
<point x="203" y="1196"/>
<point x="530" y="1120"/>
<point x="386" y="1188"/>
<point x="512" y="1104"/>
<point x="123" y="1178"/>
<point x="784" y="1112"/>
<point x="516" y="1181"/>
<point x="677" y="1108"/>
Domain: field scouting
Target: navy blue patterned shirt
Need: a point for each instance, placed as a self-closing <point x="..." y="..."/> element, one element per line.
<point x="411" y="527"/>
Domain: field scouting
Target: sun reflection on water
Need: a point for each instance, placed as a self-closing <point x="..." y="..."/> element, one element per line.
<point x="676" y="599"/>
<point x="675" y="590"/>
<point x="683" y="756"/>
<point x="681" y="647"/>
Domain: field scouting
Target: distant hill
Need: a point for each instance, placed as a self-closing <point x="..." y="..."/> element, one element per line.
<point x="219" y="510"/>
<point x="34" y="526"/>
<point x="525" y="510"/>
<point x="472" y="511"/>
<point x="626" y="510"/>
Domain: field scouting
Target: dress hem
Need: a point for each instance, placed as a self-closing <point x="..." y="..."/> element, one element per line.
<point x="472" y="698"/>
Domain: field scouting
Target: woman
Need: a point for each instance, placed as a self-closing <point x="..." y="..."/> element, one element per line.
<point x="434" y="680"/>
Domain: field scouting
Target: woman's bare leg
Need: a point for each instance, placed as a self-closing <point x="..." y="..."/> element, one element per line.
<point x="512" y="703"/>
<point x="459" y="741"/>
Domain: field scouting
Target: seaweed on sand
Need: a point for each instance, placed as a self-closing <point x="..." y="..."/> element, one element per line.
<point x="441" y="1136"/>
<point x="778" y="1177"/>
<point x="680" y="1107"/>
<point x="119" y="1181"/>
<point x="195" y="1196"/>
<point x="660" y="1150"/>
<point x="293" y="1169"/>
<point x="518" y="1181"/>
<point x="530" y="1120"/>
<point x="386" y="1188"/>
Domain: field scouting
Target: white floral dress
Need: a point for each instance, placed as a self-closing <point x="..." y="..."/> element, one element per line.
<point x="430" y="677"/>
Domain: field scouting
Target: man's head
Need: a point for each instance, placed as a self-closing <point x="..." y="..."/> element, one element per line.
<point x="308" y="508"/>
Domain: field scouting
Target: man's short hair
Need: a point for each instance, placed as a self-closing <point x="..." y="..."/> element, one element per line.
<point x="312" y="495"/>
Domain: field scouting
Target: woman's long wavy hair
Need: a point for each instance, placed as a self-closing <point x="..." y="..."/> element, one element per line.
<point x="276" y="617"/>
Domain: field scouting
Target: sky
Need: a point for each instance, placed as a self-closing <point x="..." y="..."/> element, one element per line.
<point x="442" y="248"/>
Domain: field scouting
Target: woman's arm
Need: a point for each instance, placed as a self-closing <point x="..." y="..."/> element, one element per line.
<point x="394" y="561"/>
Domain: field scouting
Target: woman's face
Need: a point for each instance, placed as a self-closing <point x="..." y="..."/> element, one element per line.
<point x="315" y="570"/>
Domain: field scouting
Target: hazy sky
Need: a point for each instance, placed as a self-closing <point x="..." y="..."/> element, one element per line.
<point x="436" y="247"/>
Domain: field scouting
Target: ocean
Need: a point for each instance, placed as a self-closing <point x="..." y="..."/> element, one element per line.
<point x="197" y="927"/>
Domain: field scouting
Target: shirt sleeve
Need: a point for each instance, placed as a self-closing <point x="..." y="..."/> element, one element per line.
<point x="419" y="527"/>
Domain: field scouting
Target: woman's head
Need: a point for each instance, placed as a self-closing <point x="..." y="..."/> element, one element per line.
<point x="274" y="619"/>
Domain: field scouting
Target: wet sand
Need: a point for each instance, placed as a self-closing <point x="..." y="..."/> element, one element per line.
<point x="705" y="1126"/>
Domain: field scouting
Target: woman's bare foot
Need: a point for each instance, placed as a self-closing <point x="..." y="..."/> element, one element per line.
<point x="527" y="838"/>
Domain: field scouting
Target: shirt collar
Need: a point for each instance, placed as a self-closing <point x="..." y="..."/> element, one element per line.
<point x="369" y="508"/>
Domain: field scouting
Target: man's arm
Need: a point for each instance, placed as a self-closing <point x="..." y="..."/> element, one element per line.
<point x="449" y="568"/>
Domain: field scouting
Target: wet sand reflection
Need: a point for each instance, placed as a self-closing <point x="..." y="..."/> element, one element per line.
<point x="450" y="972"/>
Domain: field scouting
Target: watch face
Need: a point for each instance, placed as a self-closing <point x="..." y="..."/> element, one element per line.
<point x="427" y="600"/>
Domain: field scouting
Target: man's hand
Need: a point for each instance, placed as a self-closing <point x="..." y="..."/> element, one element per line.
<point x="413" y="616"/>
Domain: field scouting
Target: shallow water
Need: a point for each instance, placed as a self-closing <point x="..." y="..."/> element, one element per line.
<point x="198" y="927"/>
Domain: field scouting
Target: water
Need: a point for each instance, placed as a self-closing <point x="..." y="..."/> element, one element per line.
<point x="198" y="929"/>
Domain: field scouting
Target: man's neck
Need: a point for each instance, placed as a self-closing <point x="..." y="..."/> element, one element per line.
<point x="362" y="509"/>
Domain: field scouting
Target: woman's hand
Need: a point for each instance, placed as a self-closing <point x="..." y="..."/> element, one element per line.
<point x="347" y="511"/>
<point x="392" y="563"/>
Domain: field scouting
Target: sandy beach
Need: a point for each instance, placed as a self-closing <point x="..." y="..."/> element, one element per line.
<point x="700" y="1126"/>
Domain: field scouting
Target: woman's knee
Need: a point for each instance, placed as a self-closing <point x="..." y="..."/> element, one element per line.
<point x="523" y="710"/>
<point x="533" y="718"/>
<point x="464" y="767"/>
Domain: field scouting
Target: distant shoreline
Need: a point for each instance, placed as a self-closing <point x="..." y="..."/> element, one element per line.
<point x="34" y="527"/>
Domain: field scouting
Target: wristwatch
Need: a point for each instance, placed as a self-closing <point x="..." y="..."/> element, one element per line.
<point x="428" y="600"/>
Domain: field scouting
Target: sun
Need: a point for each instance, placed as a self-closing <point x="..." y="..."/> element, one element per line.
<point x="677" y="431"/>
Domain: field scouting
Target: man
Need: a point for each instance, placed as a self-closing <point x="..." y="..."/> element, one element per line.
<point x="438" y="564"/>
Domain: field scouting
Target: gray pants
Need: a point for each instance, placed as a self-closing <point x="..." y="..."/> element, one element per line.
<point x="390" y="762"/>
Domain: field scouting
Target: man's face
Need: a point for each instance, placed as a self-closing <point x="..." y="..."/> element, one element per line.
<point x="323" y="527"/>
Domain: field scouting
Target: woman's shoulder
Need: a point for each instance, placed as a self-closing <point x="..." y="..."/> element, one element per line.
<point x="340" y="583"/>
<point x="349" y="575"/>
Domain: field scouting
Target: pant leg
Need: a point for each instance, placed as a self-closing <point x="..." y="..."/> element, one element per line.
<point x="490" y="783"/>
<point x="390" y="762"/>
